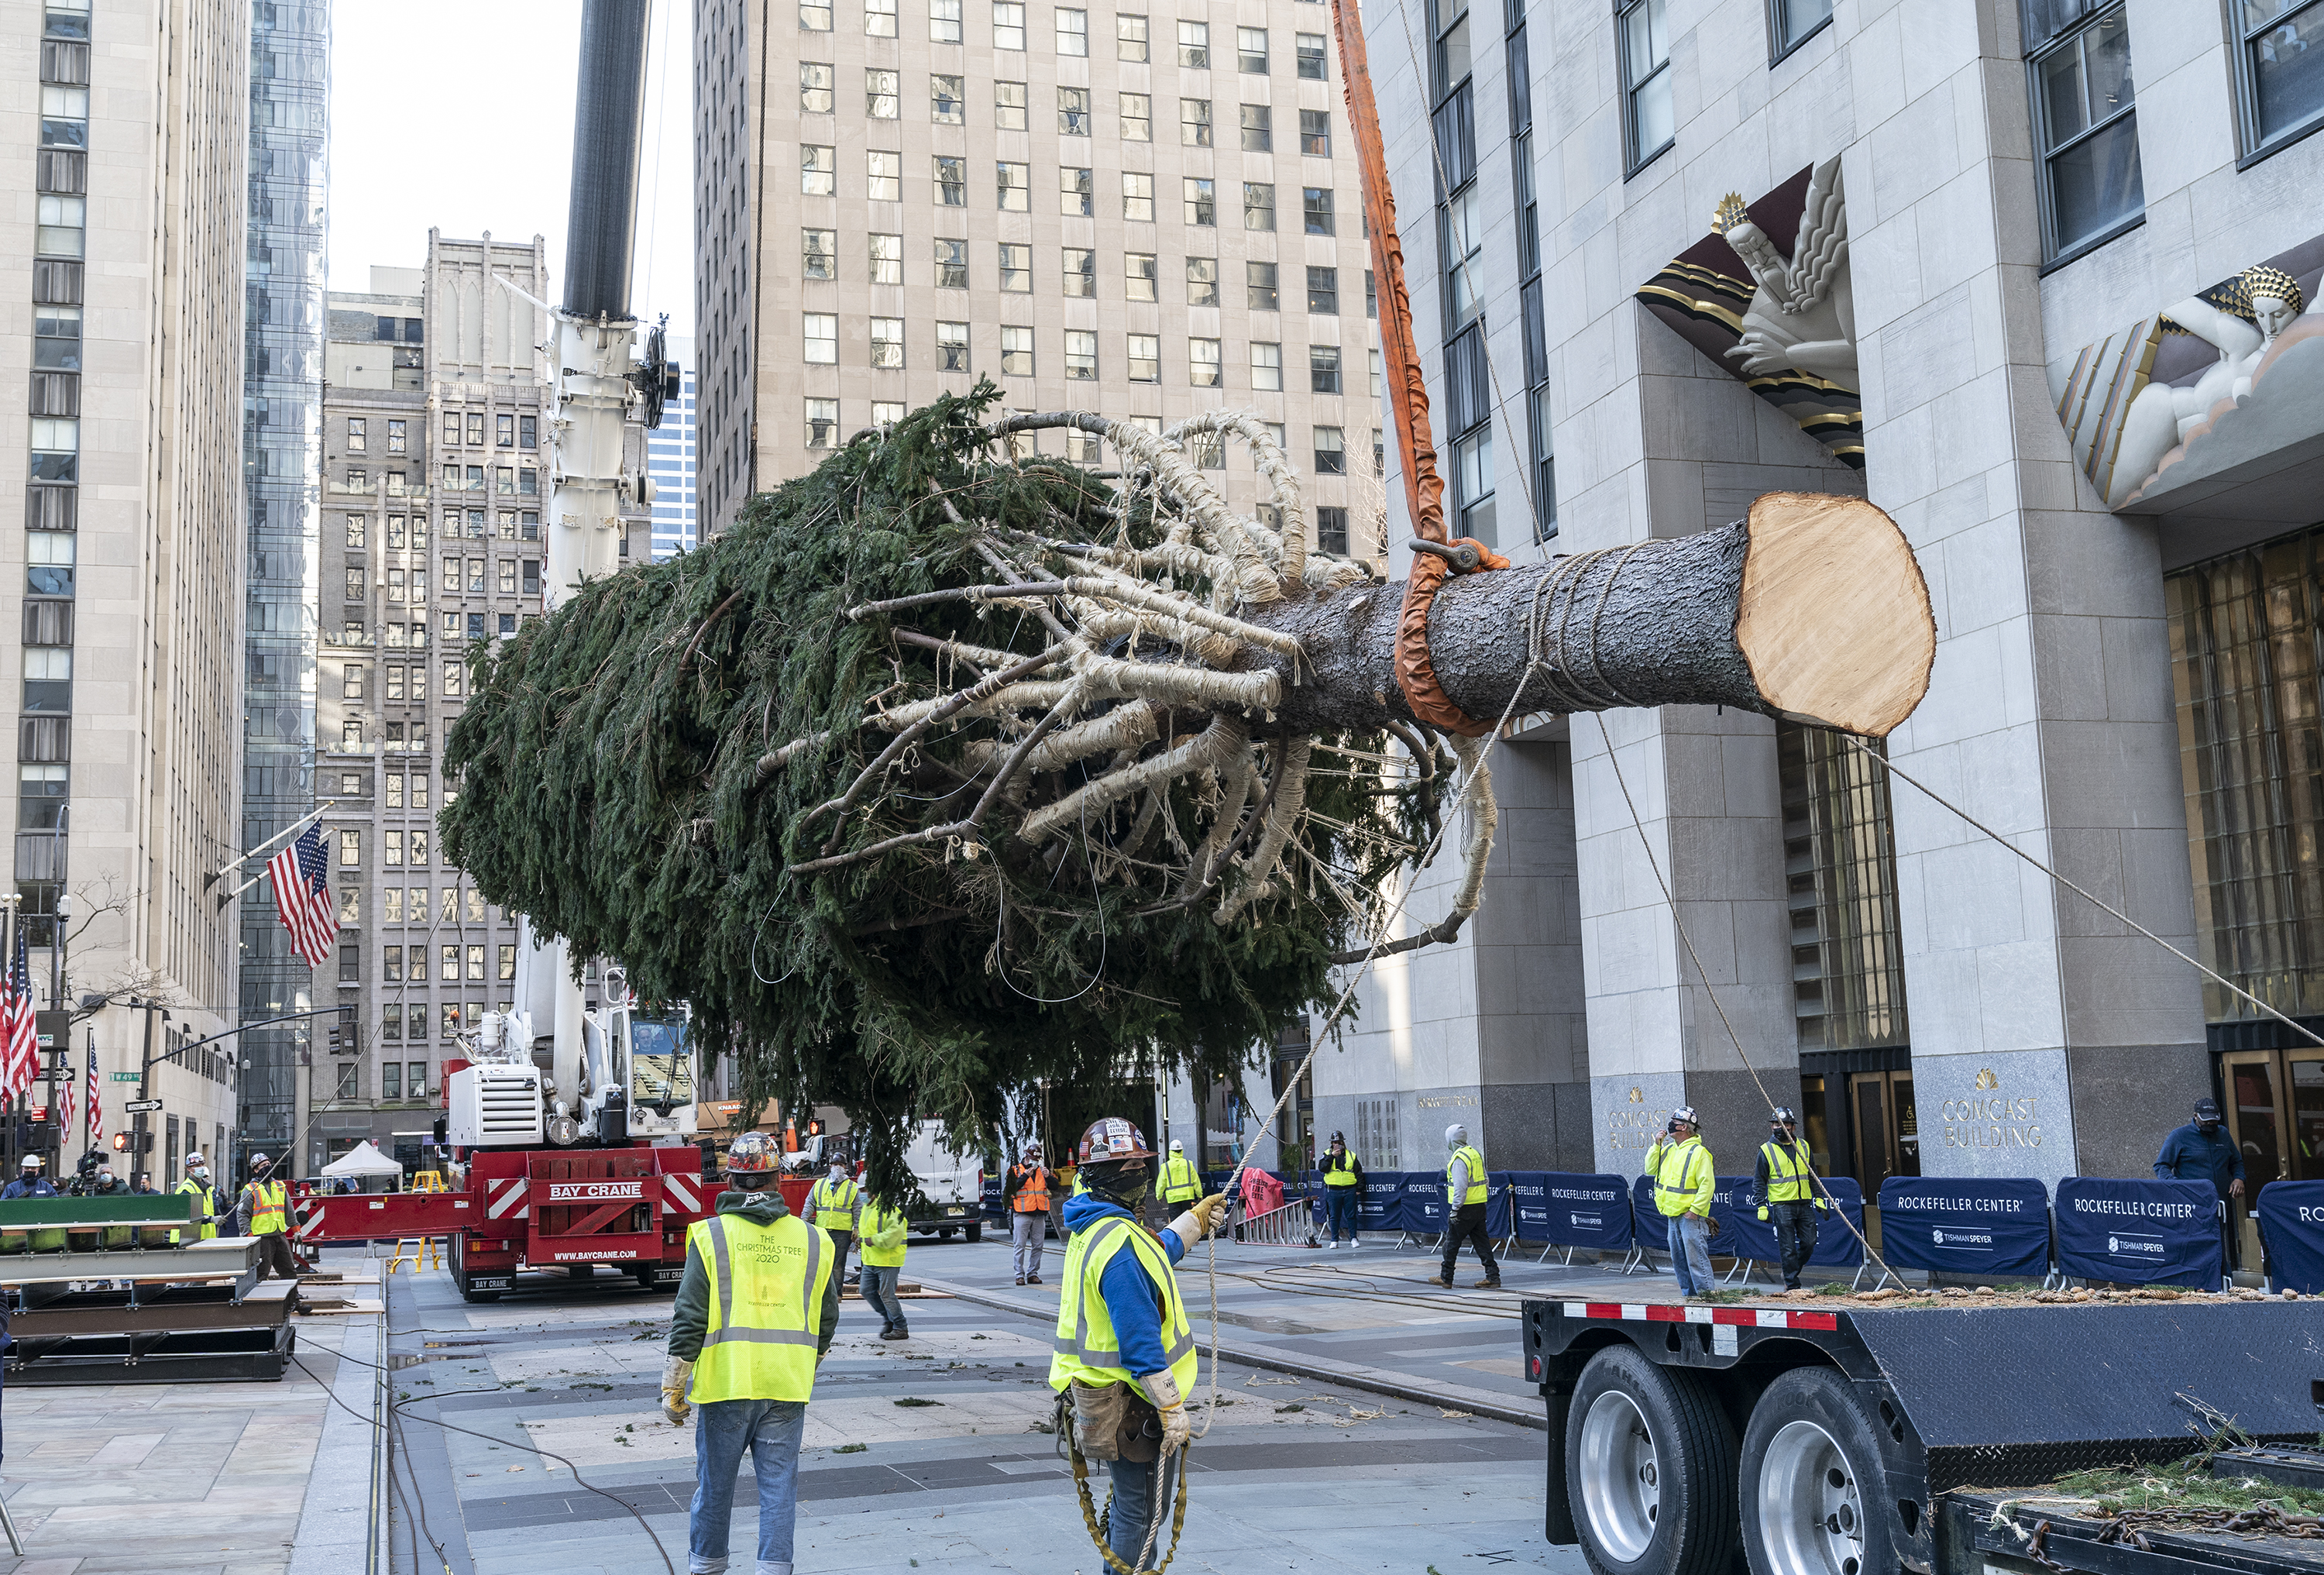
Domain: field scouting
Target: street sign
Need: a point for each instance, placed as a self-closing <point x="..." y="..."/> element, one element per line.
<point x="136" y="1107"/>
<point x="125" y="1076"/>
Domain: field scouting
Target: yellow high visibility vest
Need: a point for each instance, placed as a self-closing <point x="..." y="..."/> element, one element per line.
<point x="877" y="1217"/>
<point x="269" y="1216"/>
<point x="1788" y="1173"/>
<point x="1476" y="1163"/>
<point x="1181" y="1182"/>
<point x="1684" y="1178"/>
<point x="1341" y="1172"/>
<point x="835" y="1201"/>
<point x="1086" y="1346"/>
<point x="766" y="1299"/>
<point x="206" y="1201"/>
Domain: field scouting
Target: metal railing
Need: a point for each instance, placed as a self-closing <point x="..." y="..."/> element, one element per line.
<point x="1290" y="1225"/>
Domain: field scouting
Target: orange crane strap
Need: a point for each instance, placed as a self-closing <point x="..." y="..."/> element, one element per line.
<point x="1407" y="389"/>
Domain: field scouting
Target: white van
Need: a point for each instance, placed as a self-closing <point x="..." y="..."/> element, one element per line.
<point x="948" y="1186"/>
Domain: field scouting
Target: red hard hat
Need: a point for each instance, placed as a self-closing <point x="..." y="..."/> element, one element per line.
<point x="1112" y="1137"/>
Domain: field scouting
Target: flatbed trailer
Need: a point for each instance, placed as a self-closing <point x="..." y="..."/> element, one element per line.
<point x="1847" y="1440"/>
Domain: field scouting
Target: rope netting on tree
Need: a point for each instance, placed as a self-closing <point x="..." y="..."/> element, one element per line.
<point x="950" y="767"/>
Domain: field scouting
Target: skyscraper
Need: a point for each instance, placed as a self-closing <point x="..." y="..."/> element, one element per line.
<point x="669" y="461"/>
<point x="282" y="394"/>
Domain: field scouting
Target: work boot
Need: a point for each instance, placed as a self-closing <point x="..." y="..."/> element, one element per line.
<point x="1445" y="1279"/>
<point x="1493" y="1284"/>
<point x="1032" y="1279"/>
<point x="1021" y="1279"/>
<point x="895" y="1334"/>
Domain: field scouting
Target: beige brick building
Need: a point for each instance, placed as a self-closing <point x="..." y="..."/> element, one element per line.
<point x="1142" y="210"/>
<point x="436" y="437"/>
<point x="124" y="128"/>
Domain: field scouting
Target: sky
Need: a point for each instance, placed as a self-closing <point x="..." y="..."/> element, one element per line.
<point x="457" y="116"/>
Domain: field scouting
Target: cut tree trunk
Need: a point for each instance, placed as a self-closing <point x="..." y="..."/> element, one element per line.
<point x="1813" y="608"/>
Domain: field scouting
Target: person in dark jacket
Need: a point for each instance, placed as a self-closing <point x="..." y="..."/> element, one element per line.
<point x="2201" y="1150"/>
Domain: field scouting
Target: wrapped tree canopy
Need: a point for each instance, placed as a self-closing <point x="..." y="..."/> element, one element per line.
<point x="944" y="769"/>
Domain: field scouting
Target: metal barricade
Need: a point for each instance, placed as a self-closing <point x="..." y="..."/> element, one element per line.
<point x="1290" y="1225"/>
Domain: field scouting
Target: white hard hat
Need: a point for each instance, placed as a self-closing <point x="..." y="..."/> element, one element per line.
<point x="1177" y="1146"/>
<point x="32" y="1162"/>
<point x="194" y="1159"/>
<point x="260" y="1159"/>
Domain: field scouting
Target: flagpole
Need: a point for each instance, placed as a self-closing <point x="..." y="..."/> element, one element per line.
<point x="254" y="880"/>
<point x="292" y="830"/>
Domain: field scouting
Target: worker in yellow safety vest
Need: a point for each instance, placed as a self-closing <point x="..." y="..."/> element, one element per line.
<point x="831" y="1205"/>
<point x="264" y="1210"/>
<point x="197" y="1184"/>
<point x="1025" y="1193"/>
<point x="1120" y="1322"/>
<point x="1179" y="1184"/>
<point x="754" y="1314"/>
<point x="880" y="1229"/>
<point x="1343" y="1187"/>
<point x="1465" y="1194"/>
<point x="1684" y="1180"/>
<point x="1784" y="1187"/>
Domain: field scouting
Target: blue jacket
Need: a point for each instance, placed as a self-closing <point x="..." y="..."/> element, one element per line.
<point x="39" y="1188"/>
<point x="2189" y="1155"/>
<point x="1131" y="1298"/>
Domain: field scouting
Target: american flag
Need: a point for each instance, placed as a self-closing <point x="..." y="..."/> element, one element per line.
<point x="303" y="896"/>
<point x="22" y="1053"/>
<point x="95" y="1111"/>
<point x="64" y="1096"/>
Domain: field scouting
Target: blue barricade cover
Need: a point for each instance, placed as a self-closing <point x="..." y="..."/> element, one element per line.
<point x="1497" y="1204"/>
<point x="1382" y="1205"/>
<point x="1740" y="1233"/>
<point x="989" y="1204"/>
<point x="1565" y="1209"/>
<point x="1422" y="1207"/>
<point x="1838" y="1246"/>
<point x="2139" y="1232"/>
<point x="1653" y="1230"/>
<point x="2291" y="1223"/>
<point x="1961" y="1225"/>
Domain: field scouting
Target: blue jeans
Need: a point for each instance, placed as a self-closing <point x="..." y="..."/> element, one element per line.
<point x="1340" y="1211"/>
<point x="879" y="1286"/>
<point x="1689" y="1250"/>
<point x="722" y="1430"/>
<point x="1133" y="1507"/>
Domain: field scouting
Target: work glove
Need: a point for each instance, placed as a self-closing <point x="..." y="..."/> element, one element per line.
<point x="1200" y="1219"/>
<point x="675" y="1372"/>
<point x="1763" y="1210"/>
<point x="1176" y="1427"/>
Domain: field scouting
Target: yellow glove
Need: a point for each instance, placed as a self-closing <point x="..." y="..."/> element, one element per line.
<point x="1763" y="1210"/>
<point x="1176" y="1427"/>
<point x="1824" y="1205"/>
<point x="1200" y="1219"/>
<point x="675" y="1372"/>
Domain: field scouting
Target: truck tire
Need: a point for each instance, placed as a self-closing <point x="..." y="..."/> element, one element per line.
<point x="976" y="1231"/>
<point x="1649" y="1468"/>
<point x="944" y="1233"/>
<point x="1811" y="1485"/>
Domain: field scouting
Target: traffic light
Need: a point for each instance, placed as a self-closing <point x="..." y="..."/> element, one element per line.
<point x="815" y="1129"/>
<point x="121" y="1142"/>
<point x="332" y="1038"/>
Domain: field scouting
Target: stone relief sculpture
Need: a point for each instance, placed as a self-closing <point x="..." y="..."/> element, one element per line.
<point x="1802" y="313"/>
<point x="2263" y="302"/>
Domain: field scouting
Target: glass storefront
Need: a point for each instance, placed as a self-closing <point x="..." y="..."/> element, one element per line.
<point x="1840" y="870"/>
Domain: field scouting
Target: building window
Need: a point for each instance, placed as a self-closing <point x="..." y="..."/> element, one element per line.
<point x="1332" y="530"/>
<point x="1195" y="46"/>
<point x="815" y="87"/>
<point x="1472" y="485"/>
<point x="1315" y="202"/>
<point x="1138" y="270"/>
<point x="1008" y="101"/>
<point x="1073" y="112"/>
<point x="883" y="174"/>
<point x="1259" y="283"/>
<point x="1648" y="120"/>
<point x="395" y="438"/>
<point x="507" y="961"/>
<point x="1450" y="63"/>
<point x="1202" y="201"/>
<point x="1258" y="129"/>
<point x="1312" y="55"/>
<point x="1136" y="117"/>
<point x="951" y="346"/>
<point x="1791" y="23"/>
<point x="1545" y="465"/>
<point x="350" y="849"/>
<point x="1203" y="362"/>
<point x="952" y="265"/>
<point x="1194" y="122"/>
<point x="1145" y="358"/>
<point x="818" y="254"/>
<point x="1015" y="268"/>
<point x="355" y="434"/>
<point x="880" y="18"/>
<point x="2278" y="70"/>
<point x="887" y="343"/>
<point x="814" y="18"/>
<point x="1323" y="369"/>
<point x="1251" y="50"/>
<point x="1137" y="196"/>
<point x="1266" y="367"/>
<point x="1322" y="292"/>
<point x="821" y="423"/>
<point x="1331" y="452"/>
<point x="1080" y="273"/>
<point x="1008" y="25"/>
<point x="1132" y="37"/>
<point x="944" y="22"/>
<point x="1259" y="205"/>
<point x="1014" y="182"/>
<point x="1080" y="356"/>
<point x="1016" y="351"/>
<point x="1073" y="33"/>
<point x="1463" y="245"/>
<point x="391" y="1079"/>
<point x="822" y="338"/>
<point x="1847" y="957"/>
<point x="951" y="181"/>
<point x="2088" y="132"/>
<point x="881" y="97"/>
<point x="1206" y="450"/>
<point x="1315" y="133"/>
<point x="1201" y="281"/>
<point x="819" y="170"/>
<point x="884" y="254"/>
<point x="948" y="101"/>
<point x="1076" y="192"/>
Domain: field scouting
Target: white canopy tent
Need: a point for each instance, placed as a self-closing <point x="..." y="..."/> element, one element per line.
<point x="363" y="1159"/>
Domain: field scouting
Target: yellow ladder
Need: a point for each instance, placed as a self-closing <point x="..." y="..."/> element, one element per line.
<point x="422" y="1247"/>
<point x="428" y="1181"/>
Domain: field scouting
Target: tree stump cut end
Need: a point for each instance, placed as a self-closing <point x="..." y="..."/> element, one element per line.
<point x="1834" y="616"/>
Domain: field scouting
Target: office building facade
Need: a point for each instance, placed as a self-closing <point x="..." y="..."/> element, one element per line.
<point x="2032" y="278"/>
<point x="130" y="131"/>
<point x="669" y="461"/>
<point x="1139" y="212"/>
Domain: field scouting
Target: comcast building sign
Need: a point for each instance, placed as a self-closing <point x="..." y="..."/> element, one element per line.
<point x="1990" y="1116"/>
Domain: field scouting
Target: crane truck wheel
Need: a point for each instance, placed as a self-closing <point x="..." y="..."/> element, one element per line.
<point x="1813" y="1487"/>
<point x="976" y="1231"/>
<point x="1650" y="1465"/>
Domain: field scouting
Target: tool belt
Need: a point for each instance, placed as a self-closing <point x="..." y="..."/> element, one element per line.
<point x="1113" y="1421"/>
